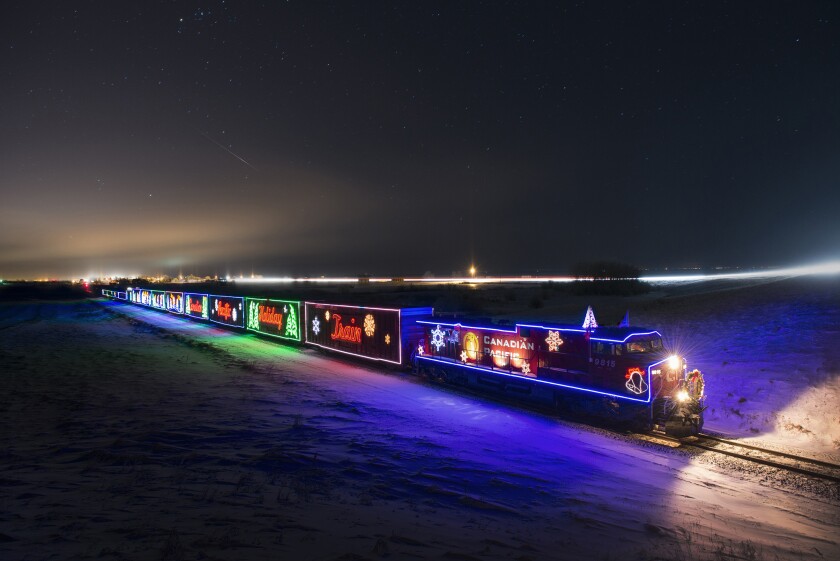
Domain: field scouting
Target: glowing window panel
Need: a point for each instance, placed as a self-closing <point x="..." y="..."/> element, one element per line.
<point x="278" y="318"/>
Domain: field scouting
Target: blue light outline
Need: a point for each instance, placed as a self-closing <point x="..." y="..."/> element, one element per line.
<point x="488" y="328"/>
<point x="538" y="381"/>
<point x="221" y="322"/>
<point x="299" y="339"/>
<point x="152" y="305"/>
<point x="545" y="327"/>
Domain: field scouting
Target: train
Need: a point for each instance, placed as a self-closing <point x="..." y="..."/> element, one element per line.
<point x="623" y="374"/>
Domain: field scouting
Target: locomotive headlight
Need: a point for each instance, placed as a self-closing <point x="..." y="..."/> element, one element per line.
<point x="674" y="362"/>
<point x="682" y="396"/>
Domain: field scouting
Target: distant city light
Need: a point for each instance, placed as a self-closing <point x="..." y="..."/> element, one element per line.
<point x="828" y="268"/>
<point x="820" y="269"/>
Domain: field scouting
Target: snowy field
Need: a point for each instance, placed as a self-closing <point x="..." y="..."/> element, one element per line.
<point x="132" y="434"/>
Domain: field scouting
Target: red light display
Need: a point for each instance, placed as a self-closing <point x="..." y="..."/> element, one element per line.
<point x="350" y="333"/>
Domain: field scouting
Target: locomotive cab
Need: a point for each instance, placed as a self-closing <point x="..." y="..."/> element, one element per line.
<point x="676" y="395"/>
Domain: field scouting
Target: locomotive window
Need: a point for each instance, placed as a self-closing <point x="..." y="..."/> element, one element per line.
<point x="600" y="348"/>
<point x="643" y="346"/>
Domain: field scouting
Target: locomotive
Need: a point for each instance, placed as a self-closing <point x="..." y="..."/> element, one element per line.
<point x="619" y="373"/>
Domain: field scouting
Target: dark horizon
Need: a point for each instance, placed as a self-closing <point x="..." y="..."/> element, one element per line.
<point x="399" y="139"/>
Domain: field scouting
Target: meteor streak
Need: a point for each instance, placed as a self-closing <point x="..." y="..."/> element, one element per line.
<point x="229" y="151"/>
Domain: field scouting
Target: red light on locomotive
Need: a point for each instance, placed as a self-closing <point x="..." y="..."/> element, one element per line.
<point x="633" y="370"/>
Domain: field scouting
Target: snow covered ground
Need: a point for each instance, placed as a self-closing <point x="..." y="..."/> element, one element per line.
<point x="769" y="350"/>
<point x="132" y="434"/>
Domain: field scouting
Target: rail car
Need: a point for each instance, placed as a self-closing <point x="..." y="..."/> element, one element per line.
<point x="621" y="373"/>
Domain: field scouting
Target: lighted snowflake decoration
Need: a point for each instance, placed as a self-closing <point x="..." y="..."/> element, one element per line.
<point x="316" y="326"/>
<point x="420" y="350"/>
<point x="327" y="315"/>
<point x="455" y="335"/>
<point x="554" y="341"/>
<point x="370" y="325"/>
<point x="463" y="356"/>
<point x="526" y="368"/>
<point x="387" y="339"/>
<point x="636" y="382"/>
<point x="437" y="338"/>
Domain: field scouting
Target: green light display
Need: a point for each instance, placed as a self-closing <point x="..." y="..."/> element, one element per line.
<point x="278" y="318"/>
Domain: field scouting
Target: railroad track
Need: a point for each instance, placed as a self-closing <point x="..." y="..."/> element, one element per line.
<point x="803" y="465"/>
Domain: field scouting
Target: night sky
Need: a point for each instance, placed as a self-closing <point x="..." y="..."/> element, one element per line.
<point x="398" y="138"/>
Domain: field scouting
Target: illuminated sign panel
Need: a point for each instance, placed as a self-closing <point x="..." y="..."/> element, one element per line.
<point x="197" y="305"/>
<point x="174" y="302"/>
<point x="278" y="318"/>
<point x="158" y="300"/>
<point x="227" y="310"/>
<point x="372" y="333"/>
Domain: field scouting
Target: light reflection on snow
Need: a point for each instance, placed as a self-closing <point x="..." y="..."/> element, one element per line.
<point x="715" y="511"/>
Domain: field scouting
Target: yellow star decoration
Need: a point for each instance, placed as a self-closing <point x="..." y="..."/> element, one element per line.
<point x="554" y="341"/>
<point x="327" y="315"/>
<point x="464" y="356"/>
<point x="526" y="368"/>
<point x="387" y="339"/>
<point x="370" y="325"/>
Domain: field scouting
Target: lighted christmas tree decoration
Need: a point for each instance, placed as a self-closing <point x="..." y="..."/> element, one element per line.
<point x="253" y="315"/>
<point x="589" y="322"/>
<point x="437" y="338"/>
<point x="291" y="322"/>
<point x="316" y="326"/>
<point x="464" y="356"/>
<point x="370" y="325"/>
<point x="554" y="341"/>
